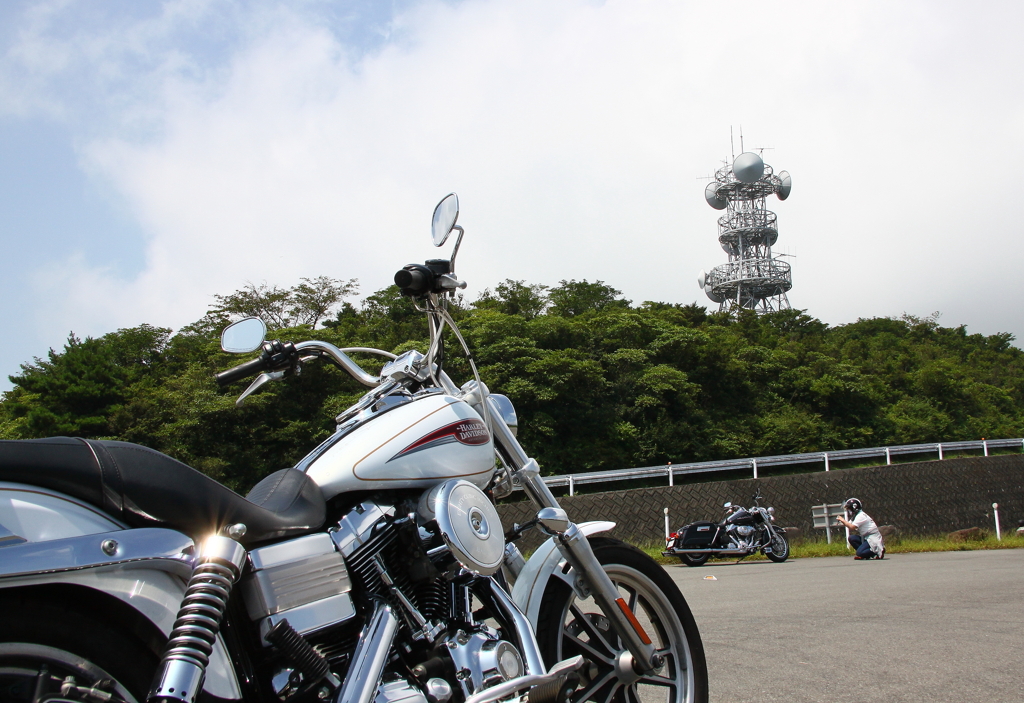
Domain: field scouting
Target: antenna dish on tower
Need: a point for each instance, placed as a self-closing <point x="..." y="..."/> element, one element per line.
<point x="702" y="278"/>
<point x="785" y="185"/>
<point x="748" y="167"/>
<point x="711" y="195"/>
<point x="710" y="292"/>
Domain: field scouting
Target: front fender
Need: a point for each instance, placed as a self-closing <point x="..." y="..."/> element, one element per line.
<point x="532" y="580"/>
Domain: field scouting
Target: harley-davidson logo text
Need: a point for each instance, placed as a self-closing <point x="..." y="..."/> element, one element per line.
<point x="470" y="432"/>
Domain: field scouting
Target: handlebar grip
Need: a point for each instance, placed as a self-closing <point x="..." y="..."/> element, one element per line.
<point x="249" y="368"/>
<point x="414" y="279"/>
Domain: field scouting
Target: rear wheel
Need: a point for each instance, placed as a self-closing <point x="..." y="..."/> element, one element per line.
<point x="48" y="651"/>
<point x="574" y="626"/>
<point x="694" y="559"/>
<point x="780" y="548"/>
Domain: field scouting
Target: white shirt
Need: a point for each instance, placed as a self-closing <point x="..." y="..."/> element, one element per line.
<point x="865" y="525"/>
<point x="867" y="529"/>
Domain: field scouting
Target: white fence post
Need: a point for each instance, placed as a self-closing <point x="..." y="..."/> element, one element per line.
<point x="669" y="477"/>
<point x="828" y="528"/>
<point x="666" y="525"/>
<point x="940" y="451"/>
<point x="754" y="462"/>
<point x="995" y="513"/>
<point x="984" y="443"/>
<point x="572" y="486"/>
<point x="826" y="461"/>
<point x="888" y="458"/>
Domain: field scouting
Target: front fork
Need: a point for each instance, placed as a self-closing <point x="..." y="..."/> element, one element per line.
<point x="575" y="547"/>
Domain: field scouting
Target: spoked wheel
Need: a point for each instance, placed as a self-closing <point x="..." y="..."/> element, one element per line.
<point x="694" y="559"/>
<point x="570" y="626"/>
<point x="780" y="548"/>
<point x="50" y="653"/>
<point x="33" y="672"/>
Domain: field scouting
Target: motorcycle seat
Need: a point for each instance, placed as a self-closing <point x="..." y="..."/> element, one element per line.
<point x="144" y="488"/>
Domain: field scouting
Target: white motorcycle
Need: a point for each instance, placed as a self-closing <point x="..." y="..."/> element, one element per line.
<point x="374" y="571"/>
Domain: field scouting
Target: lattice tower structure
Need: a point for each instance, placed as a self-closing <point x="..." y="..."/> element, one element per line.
<point x="753" y="278"/>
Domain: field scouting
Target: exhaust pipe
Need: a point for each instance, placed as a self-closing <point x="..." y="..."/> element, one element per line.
<point x="724" y="551"/>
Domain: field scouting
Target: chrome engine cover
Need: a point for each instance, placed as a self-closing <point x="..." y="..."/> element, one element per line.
<point x="304" y="580"/>
<point x="488" y="660"/>
<point x="399" y="692"/>
<point x="469" y="524"/>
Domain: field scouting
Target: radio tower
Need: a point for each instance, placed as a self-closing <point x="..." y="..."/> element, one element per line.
<point x="752" y="279"/>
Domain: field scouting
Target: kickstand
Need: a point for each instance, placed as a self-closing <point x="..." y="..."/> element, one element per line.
<point x="741" y="559"/>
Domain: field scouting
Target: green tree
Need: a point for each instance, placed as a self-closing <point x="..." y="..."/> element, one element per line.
<point x="597" y="383"/>
<point x="571" y="298"/>
<point x="76" y="391"/>
<point x="514" y="298"/>
<point x="307" y="303"/>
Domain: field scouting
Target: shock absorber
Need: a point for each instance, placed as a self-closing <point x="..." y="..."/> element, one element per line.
<point x="183" y="667"/>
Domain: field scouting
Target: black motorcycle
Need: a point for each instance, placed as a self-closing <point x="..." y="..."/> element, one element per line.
<point x="743" y="532"/>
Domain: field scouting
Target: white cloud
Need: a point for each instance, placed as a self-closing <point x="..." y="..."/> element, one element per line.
<point x="574" y="134"/>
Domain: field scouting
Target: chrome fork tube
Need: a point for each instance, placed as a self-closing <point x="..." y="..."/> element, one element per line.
<point x="371" y="655"/>
<point x="575" y="547"/>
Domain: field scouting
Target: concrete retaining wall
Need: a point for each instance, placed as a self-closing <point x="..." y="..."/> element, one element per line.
<point x="921" y="498"/>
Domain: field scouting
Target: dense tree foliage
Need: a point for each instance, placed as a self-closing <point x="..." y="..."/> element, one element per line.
<point x="598" y="383"/>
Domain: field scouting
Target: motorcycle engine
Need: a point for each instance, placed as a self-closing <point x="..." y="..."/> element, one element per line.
<point x="428" y="557"/>
<point x="741" y="535"/>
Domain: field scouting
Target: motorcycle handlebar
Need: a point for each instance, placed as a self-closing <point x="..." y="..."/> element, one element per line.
<point x="277" y="356"/>
<point x="342" y="360"/>
<point x="237" y="373"/>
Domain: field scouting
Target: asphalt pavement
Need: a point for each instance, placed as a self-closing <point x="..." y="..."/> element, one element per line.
<point x="942" y="626"/>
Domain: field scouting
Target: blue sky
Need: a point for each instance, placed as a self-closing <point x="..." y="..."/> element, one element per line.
<point x="153" y="155"/>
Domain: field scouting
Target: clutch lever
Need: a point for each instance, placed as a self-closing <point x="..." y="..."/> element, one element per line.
<point x="258" y="383"/>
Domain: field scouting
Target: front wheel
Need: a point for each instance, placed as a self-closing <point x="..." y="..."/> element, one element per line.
<point x="571" y="626"/>
<point x="780" y="548"/>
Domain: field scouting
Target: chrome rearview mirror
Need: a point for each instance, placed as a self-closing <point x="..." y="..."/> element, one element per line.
<point x="445" y="215"/>
<point x="243" y="336"/>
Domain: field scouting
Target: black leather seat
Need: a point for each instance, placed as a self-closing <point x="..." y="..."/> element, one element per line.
<point x="145" y="488"/>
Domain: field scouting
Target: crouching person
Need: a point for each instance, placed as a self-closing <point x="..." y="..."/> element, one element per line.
<point x="864" y="534"/>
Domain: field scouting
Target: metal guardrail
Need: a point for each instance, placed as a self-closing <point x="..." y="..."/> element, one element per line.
<point x="672" y="470"/>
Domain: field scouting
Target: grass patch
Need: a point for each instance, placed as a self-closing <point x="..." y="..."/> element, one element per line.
<point x="815" y="548"/>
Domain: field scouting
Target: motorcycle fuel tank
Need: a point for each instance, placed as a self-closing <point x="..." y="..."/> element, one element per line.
<point x="740" y="517"/>
<point x="418" y="444"/>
